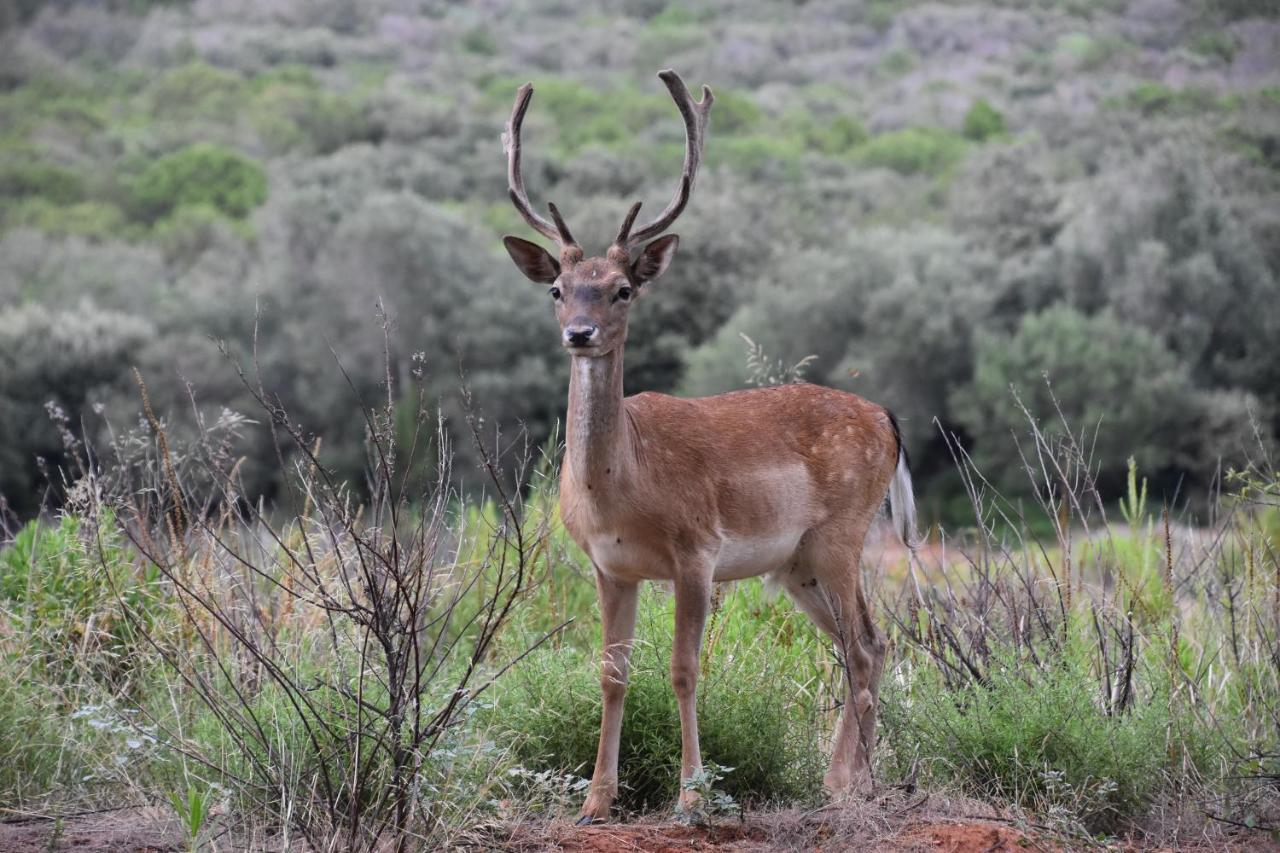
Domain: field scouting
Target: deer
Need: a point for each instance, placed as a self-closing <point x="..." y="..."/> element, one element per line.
<point x="782" y="482"/>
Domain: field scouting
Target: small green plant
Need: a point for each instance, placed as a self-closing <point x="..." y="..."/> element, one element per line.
<point x="192" y="810"/>
<point x="1134" y="504"/>
<point x="55" y="836"/>
<point x="548" y="790"/>
<point x="712" y="802"/>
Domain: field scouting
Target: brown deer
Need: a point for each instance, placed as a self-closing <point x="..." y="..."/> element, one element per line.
<point x="782" y="481"/>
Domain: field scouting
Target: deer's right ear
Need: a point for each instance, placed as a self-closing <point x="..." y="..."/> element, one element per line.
<point x="534" y="261"/>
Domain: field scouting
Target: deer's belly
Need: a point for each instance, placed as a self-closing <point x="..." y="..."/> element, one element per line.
<point x="748" y="556"/>
<point x="625" y="555"/>
<point x="738" y="556"/>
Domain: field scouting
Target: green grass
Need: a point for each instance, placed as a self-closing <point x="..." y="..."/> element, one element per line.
<point x="758" y="707"/>
<point x="1039" y="738"/>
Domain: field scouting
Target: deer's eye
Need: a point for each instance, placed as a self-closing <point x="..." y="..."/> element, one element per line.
<point x="555" y="293"/>
<point x="624" y="293"/>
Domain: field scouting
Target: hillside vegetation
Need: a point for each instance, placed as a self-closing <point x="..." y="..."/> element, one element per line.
<point x="937" y="200"/>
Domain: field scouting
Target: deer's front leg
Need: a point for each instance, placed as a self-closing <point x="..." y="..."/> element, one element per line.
<point x="693" y="600"/>
<point x="618" y="621"/>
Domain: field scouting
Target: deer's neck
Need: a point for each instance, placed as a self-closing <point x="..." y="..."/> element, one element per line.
<point x="597" y="442"/>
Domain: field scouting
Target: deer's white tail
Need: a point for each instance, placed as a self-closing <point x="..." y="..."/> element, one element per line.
<point x="902" y="501"/>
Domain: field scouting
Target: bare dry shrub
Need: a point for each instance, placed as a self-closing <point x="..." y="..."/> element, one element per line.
<point x="335" y="645"/>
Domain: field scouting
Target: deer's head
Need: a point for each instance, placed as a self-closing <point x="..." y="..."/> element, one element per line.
<point x="593" y="295"/>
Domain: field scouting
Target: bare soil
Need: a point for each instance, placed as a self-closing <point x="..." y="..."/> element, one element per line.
<point x="949" y="836"/>
<point x="916" y="825"/>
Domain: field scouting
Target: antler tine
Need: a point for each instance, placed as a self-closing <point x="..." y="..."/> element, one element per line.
<point x="515" y="179"/>
<point x="566" y="239"/>
<point x="625" y="231"/>
<point x="695" y="115"/>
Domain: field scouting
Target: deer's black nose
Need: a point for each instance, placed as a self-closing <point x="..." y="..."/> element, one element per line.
<point x="580" y="336"/>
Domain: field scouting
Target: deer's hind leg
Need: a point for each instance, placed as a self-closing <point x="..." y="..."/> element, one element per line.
<point x="825" y="582"/>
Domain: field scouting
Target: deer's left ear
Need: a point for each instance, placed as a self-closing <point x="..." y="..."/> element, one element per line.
<point x="655" y="258"/>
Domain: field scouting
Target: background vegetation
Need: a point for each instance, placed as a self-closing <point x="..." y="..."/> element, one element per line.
<point x="280" y="599"/>
<point x="938" y="200"/>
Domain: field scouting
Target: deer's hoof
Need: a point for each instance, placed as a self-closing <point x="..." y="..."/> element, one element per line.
<point x="595" y="810"/>
<point x="690" y="803"/>
<point x="843" y="784"/>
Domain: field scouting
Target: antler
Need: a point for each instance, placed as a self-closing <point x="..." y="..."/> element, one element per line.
<point x="695" y="114"/>
<point x="515" y="180"/>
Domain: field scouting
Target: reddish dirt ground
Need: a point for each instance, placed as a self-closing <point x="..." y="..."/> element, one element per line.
<point x="149" y="830"/>
<point x="132" y="830"/>
<point x="947" y="837"/>
<point x="864" y="831"/>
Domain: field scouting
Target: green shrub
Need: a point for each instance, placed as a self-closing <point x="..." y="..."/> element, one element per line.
<point x="189" y="231"/>
<point x="983" y="121"/>
<point x="584" y="115"/>
<point x="1215" y="44"/>
<point x="1153" y="99"/>
<point x="198" y="91"/>
<point x="751" y="154"/>
<point x="1094" y="369"/>
<point x="41" y="180"/>
<point x="72" y="106"/>
<point x="480" y="41"/>
<point x="1084" y="52"/>
<point x="208" y="174"/>
<point x="677" y="14"/>
<point x="913" y="151"/>
<point x="841" y="135"/>
<point x="1040" y="738"/>
<point x="291" y="117"/>
<point x="48" y="745"/>
<point x="735" y="112"/>
<point x="71" y="587"/>
<point x="756" y="712"/>
<point x="898" y="62"/>
<point x="93" y="219"/>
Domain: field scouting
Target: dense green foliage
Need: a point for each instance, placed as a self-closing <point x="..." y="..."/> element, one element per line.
<point x="202" y="174"/>
<point x="912" y="192"/>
